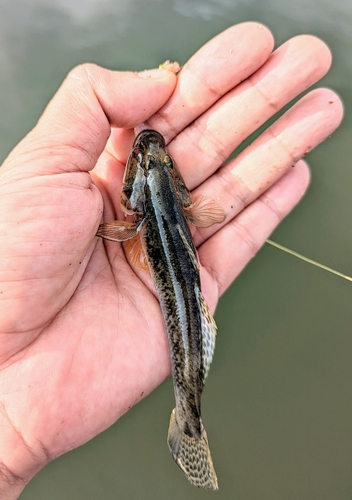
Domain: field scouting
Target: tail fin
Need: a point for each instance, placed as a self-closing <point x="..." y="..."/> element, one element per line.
<point x="192" y="455"/>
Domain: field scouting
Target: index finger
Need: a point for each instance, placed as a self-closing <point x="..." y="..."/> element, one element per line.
<point x="216" y="68"/>
<point x="74" y="128"/>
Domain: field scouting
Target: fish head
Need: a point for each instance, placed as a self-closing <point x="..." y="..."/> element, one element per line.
<point x="150" y="147"/>
<point x="147" y="139"/>
<point x="147" y="154"/>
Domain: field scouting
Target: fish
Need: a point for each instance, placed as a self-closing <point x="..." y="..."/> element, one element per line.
<point x="154" y="192"/>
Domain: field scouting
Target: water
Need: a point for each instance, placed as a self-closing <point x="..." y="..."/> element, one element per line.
<point x="277" y="405"/>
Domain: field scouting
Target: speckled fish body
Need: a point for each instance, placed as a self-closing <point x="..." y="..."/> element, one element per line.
<point x="155" y="192"/>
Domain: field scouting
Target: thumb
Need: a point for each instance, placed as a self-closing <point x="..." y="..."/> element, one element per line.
<point x="74" y="128"/>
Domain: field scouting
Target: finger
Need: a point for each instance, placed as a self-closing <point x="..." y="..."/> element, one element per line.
<point x="108" y="175"/>
<point x="290" y="70"/>
<point x="261" y="164"/>
<point x="216" y="68"/>
<point x="220" y="65"/>
<point x="120" y="143"/>
<point x="240" y="240"/>
<point x="75" y="126"/>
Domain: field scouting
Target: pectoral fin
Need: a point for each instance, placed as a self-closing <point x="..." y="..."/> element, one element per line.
<point x="204" y="212"/>
<point x="118" y="230"/>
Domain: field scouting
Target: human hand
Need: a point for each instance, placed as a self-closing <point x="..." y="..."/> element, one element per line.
<point x="82" y="337"/>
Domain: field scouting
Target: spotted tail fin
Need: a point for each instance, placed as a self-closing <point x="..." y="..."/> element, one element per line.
<point x="192" y="455"/>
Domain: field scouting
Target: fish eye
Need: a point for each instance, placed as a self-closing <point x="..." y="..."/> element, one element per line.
<point x="138" y="154"/>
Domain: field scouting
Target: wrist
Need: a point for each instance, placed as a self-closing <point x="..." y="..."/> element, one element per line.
<point x="19" y="461"/>
<point x="11" y="486"/>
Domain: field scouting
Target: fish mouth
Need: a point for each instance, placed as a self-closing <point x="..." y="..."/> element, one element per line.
<point x="149" y="137"/>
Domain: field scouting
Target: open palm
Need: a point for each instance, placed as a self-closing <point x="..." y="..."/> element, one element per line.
<point x="82" y="337"/>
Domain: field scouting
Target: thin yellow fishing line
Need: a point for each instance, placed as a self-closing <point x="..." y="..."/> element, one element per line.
<point x="310" y="261"/>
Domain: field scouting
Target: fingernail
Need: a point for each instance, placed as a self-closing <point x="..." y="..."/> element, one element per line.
<point x="153" y="73"/>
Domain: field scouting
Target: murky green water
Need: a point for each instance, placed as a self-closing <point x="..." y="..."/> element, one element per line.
<point x="278" y="405"/>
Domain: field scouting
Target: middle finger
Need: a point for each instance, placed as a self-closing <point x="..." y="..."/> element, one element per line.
<point x="267" y="159"/>
<point x="290" y="70"/>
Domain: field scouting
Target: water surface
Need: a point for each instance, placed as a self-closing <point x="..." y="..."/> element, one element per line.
<point x="277" y="405"/>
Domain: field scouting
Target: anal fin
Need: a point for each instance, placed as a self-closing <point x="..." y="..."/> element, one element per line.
<point x="209" y="330"/>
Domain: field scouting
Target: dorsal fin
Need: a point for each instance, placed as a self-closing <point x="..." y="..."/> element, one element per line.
<point x="189" y="247"/>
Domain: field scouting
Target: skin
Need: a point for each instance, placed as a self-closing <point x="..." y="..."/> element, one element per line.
<point x="82" y="337"/>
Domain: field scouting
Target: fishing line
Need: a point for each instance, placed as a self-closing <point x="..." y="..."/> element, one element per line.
<point x="310" y="261"/>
